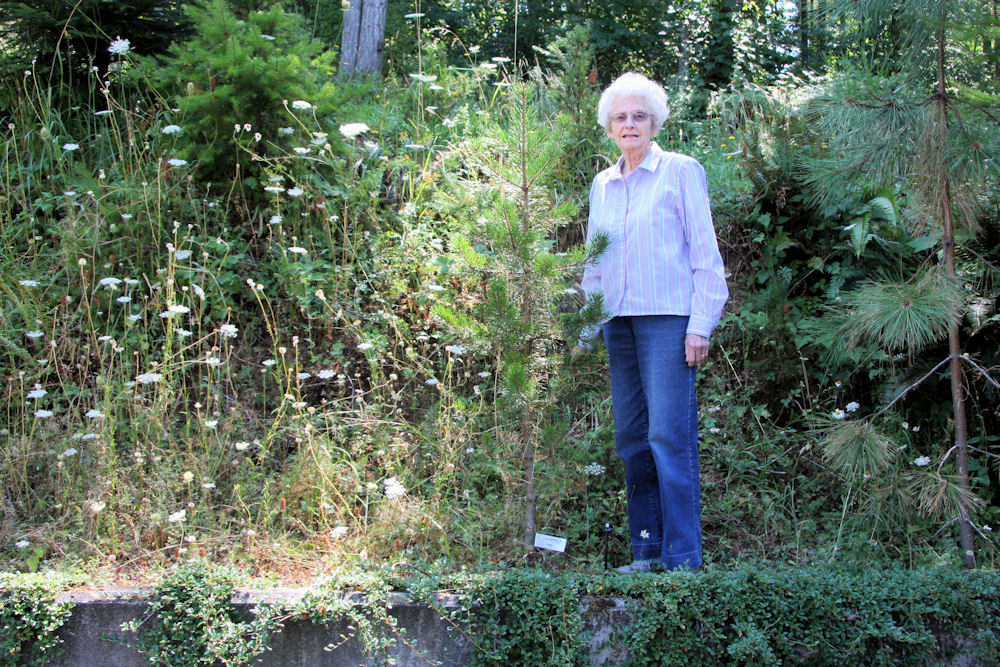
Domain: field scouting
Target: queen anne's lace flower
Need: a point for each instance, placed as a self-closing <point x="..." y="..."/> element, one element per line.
<point x="353" y="129"/>
<point x="393" y="489"/>
<point x="119" y="46"/>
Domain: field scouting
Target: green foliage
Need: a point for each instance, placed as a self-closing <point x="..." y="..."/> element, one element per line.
<point x="30" y="618"/>
<point x="856" y="449"/>
<point x="61" y="41"/>
<point x="197" y="624"/>
<point x="528" y="617"/>
<point x="393" y="313"/>
<point x="241" y="75"/>
<point x="360" y="602"/>
<point x="900" y="316"/>
<point x="816" y="616"/>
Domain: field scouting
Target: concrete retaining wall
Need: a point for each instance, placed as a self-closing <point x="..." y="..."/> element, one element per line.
<point x="93" y="634"/>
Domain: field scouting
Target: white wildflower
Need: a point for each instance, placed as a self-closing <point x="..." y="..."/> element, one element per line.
<point x="393" y="489"/>
<point x="353" y="129"/>
<point x="298" y="250"/>
<point x="296" y="192"/>
<point x="176" y="162"/>
<point x="595" y="469"/>
<point x="93" y="413"/>
<point x="229" y="330"/>
<point x="148" y="378"/>
<point x="838" y="414"/>
<point x="37" y="393"/>
<point x="28" y="283"/>
<point x="43" y="414"/>
<point x="177" y="517"/>
<point x="119" y="46"/>
<point x="301" y="104"/>
<point x="922" y="461"/>
<point x="171" y="129"/>
<point x="338" y="532"/>
<point x="69" y="452"/>
<point x="70" y="147"/>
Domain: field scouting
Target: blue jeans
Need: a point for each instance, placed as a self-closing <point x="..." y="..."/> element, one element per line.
<point x="656" y="434"/>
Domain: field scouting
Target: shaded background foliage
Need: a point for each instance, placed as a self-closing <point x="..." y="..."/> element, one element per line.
<point x="367" y="279"/>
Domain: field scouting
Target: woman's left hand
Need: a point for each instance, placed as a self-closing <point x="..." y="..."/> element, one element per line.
<point x="695" y="349"/>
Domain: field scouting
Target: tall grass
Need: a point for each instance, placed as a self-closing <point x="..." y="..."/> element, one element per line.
<point x="251" y="369"/>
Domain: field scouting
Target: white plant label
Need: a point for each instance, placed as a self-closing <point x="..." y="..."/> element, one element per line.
<point x="550" y="542"/>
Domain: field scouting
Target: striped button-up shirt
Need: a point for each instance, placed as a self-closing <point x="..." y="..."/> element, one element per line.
<point x="662" y="257"/>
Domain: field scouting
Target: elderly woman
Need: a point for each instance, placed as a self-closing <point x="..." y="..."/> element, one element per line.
<point x="664" y="287"/>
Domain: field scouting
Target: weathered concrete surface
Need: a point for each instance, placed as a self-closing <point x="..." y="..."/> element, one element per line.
<point x="93" y="634"/>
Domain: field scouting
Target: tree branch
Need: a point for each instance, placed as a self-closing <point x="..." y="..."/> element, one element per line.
<point x="911" y="387"/>
<point x="981" y="370"/>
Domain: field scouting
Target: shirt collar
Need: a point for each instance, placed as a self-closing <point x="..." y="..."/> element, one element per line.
<point x="649" y="163"/>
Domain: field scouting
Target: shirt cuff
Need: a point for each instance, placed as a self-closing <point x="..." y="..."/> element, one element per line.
<point x="700" y="326"/>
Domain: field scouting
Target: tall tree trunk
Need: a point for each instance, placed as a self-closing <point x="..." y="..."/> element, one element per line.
<point x="954" y="344"/>
<point x="364" y="37"/>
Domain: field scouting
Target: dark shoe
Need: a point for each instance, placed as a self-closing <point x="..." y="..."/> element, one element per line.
<point x="641" y="567"/>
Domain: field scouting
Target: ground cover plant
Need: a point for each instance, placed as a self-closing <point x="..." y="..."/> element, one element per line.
<point x="259" y="313"/>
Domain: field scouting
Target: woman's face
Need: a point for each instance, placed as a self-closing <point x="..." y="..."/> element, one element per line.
<point x="631" y="126"/>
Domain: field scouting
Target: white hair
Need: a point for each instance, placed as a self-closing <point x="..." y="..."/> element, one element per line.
<point x="632" y="84"/>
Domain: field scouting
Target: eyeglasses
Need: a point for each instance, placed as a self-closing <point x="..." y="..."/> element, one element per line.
<point x="637" y="117"/>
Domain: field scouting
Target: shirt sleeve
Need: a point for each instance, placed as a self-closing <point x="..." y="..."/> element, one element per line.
<point x="710" y="291"/>
<point x="591" y="282"/>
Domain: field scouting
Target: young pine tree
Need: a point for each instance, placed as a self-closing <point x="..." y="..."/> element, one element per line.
<point x="931" y="126"/>
<point x="517" y="277"/>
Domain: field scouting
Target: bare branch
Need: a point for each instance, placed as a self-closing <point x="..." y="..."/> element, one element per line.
<point x="911" y="387"/>
<point x="981" y="370"/>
